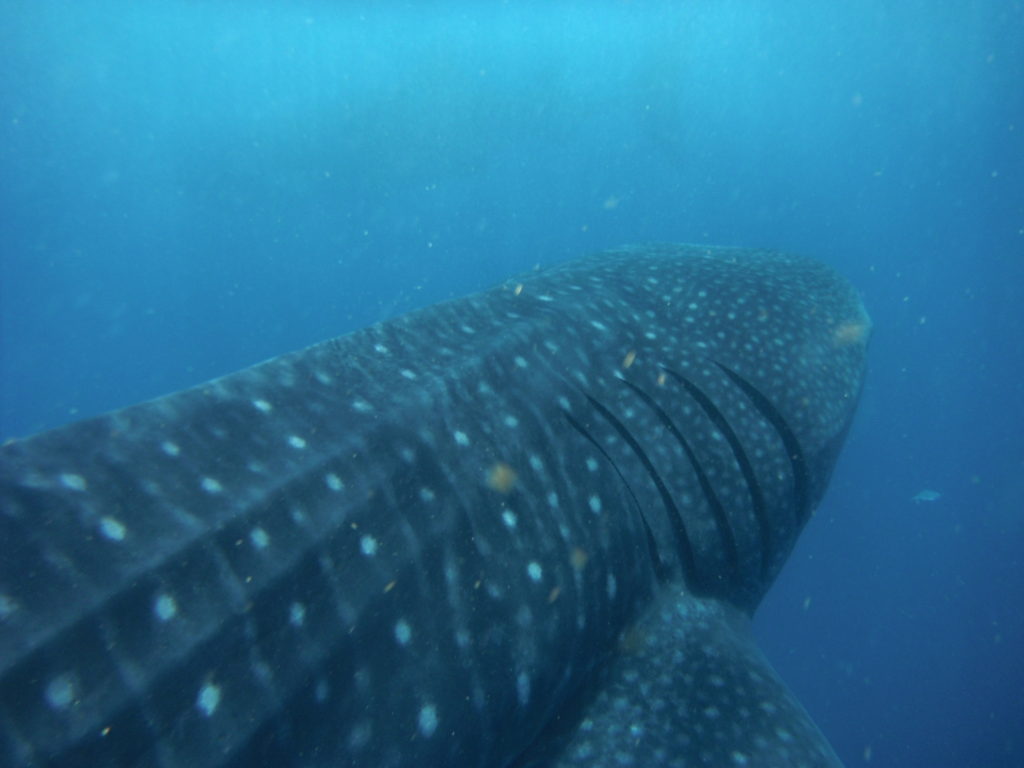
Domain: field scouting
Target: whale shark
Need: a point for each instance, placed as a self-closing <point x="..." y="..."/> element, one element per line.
<point x="527" y="527"/>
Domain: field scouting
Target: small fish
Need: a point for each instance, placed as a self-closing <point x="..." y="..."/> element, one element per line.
<point x="926" y="495"/>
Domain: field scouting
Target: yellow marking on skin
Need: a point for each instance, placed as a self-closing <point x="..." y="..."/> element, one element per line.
<point x="661" y="379"/>
<point x="578" y="558"/>
<point x="390" y="585"/>
<point x="627" y="361"/>
<point x="553" y="594"/>
<point x="849" y="333"/>
<point x="632" y="640"/>
<point x="518" y="289"/>
<point x="501" y="477"/>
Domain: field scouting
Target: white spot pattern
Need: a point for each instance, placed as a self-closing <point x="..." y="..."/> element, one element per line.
<point x="259" y="538"/>
<point x="523" y="688"/>
<point x="208" y="699"/>
<point x="403" y="632"/>
<point x="73" y="482"/>
<point x="165" y="607"/>
<point x="368" y="546"/>
<point x="322" y="690"/>
<point x="428" y="720"/>
<point x="60" y="692"/>
<point x="112" y="528"/>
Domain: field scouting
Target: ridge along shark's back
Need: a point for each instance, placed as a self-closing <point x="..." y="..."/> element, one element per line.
<point x="454" y="538"/>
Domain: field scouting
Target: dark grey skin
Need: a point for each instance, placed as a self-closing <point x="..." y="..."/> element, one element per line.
<point x="525" y="526"/>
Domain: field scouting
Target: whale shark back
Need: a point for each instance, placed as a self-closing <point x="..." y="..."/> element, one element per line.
<point x="453" y="538"/>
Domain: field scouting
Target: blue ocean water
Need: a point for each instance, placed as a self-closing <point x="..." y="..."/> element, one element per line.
<point x="187" y="188"/>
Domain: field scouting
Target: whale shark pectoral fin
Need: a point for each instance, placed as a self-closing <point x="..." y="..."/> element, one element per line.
<point x="688" y="686"/>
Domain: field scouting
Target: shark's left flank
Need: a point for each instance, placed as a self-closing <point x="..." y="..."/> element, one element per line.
<point x="524" y="527"/>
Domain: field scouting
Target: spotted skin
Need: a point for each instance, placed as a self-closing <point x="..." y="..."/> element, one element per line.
<point x="687" y="686"/>
<point x="421" y="543"/>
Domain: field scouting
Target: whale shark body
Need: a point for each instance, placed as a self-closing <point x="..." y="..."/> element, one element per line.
<point x="526" y="527"/>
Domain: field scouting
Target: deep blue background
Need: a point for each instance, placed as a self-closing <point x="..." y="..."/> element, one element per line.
<point x="187" y="188"/>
